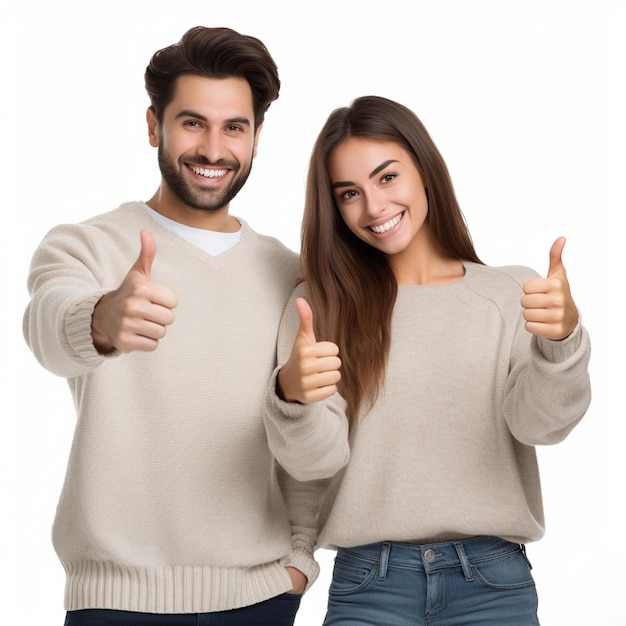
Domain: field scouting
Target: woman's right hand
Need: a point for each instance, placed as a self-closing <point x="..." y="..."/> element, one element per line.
<point x="312" y="372"/>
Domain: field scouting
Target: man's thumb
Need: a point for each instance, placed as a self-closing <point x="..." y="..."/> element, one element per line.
<point x="143" y="264"/>
<point x="306" y="320"/>
<point x="556" y="254"/>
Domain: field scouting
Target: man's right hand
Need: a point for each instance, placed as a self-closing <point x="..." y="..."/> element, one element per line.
<point x="134" y="316"/>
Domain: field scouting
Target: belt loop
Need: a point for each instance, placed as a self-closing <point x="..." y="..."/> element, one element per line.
<point x="384" y="560"/>
<point x="522" y="547"/>
<point x="464" y="562"/>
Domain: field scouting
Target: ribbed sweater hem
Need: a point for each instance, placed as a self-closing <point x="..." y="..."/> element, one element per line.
<point x="176" y="589"/>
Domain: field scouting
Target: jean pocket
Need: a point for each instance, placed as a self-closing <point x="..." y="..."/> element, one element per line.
<point x="351" y="574"/>
<point x="509" y="571"/>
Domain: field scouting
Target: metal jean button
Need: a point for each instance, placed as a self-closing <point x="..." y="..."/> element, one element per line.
<point x="430" y="556"/>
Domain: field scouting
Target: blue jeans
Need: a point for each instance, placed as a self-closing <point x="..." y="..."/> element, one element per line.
<point x="480" y="581"/>
<point x="278" y="611"/>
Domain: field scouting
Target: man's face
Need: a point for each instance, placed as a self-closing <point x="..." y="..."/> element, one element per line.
<point x="206" y="142"/>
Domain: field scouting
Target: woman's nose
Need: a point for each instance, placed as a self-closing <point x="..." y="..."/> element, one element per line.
<point x="375" y="202"/>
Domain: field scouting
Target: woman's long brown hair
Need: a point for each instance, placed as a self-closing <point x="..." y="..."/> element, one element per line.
<point x="351" y="287"/>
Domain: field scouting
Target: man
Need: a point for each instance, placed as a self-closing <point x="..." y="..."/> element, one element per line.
<point x="163" y="317"/>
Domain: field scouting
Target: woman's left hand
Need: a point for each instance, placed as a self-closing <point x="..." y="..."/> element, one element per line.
<point x="549" y="308"/>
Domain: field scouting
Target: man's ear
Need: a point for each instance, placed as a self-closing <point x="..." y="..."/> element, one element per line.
<point x="153" y="128"/>
<point x="257" y="132"/>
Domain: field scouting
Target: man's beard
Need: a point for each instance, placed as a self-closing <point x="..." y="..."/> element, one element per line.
<point x="202" y="199"/>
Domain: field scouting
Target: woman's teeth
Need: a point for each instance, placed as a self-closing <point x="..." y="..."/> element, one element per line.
<point x="383" y="228"/>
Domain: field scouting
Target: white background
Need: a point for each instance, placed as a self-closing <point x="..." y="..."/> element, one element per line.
<point x="525" y="101"/>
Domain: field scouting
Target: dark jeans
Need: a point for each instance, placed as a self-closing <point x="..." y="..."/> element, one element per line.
<point x="278" y="611"/>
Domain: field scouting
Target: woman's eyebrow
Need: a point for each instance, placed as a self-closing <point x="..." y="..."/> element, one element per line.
<point x="380" y="168"/>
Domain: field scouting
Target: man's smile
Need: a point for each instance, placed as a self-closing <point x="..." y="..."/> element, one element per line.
<point x="206" y="172"/>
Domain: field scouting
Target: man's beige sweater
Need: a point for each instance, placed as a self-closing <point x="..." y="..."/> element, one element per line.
<point x="171" y="502"/>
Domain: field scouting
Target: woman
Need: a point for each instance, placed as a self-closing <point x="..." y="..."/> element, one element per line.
<point x="446" y="372"/>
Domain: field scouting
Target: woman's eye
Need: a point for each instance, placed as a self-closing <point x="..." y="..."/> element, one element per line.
<point x="387" y="178"/>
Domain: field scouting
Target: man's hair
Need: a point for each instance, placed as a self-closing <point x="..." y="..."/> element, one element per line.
<point x="213" y="53"/>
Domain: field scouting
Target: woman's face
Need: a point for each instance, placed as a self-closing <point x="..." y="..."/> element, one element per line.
<point x="379" y="193"/>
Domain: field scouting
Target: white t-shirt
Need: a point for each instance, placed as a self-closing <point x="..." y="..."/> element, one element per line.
<point x="211" y="241"/>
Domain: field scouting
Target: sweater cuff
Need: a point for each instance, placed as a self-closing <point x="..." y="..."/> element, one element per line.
<point x="304" y="561"/>
<point x="560" y="351"/>
<point x="78" y="330"/>
<point x="289" y="410"/>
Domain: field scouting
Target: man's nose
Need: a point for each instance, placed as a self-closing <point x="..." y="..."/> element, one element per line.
<point x="212" y="145"/>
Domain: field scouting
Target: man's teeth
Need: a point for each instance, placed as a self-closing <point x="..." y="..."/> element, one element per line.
<point x="383" y="228"/>
<point x="207" y="173"/>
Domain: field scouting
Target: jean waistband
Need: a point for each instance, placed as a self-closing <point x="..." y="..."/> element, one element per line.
<point x="435" y="556"/>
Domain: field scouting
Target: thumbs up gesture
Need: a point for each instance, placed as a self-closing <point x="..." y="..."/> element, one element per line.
<point x="312" y="371"/>
<point x="549" y="309"/>
<point x="136" y="314"/>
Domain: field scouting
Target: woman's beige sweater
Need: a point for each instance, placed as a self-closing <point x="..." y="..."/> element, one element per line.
<point x="448" y="450"/>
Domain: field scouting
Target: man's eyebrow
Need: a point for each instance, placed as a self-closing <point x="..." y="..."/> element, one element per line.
<point x="198" y="116"/>
<point x="380" y="168"/>
<point x="190" y="113"/>
<point x="239" y="120"/>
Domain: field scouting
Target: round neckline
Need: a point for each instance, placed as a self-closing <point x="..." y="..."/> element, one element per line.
<point x="446" y="286"/>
